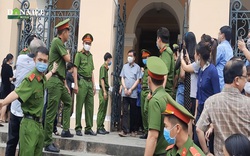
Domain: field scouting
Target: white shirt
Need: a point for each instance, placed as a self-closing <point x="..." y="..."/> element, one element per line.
<point x="24" y="65"/>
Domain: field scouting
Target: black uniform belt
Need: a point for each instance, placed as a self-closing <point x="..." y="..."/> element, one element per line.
<point x="85" y="78"/>
<point x="59" y="77"/>
<point x="32" y="117"/>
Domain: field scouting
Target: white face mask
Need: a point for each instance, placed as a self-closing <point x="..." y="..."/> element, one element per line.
<point x="247" y="87"/>
<point x="86" y="47"/>
<point x="130" y="59"/>
<point x="198" y="62"/>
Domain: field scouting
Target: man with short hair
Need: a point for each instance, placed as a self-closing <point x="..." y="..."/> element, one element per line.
<point x="156" y="144"/>
<point x="130" y="76"/>
<point x="224" y="52"/>
<point x="27" y="50"/>
<point x="24" y="65"/>
<point x="57" y="87"/>
<point x="84" y="87"/>
<point x="228" y="111"/>
<point x="166" y="54"/>
<point x="103" y="94"/>
<point x="30" y="93"/>
<point x="176" y="131"/>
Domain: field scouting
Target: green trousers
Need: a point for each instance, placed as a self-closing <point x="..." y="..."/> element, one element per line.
<point x="144" y="112"/>
<point x="31" y="138"/>
<point x="85" y="96"/>
<point x="102" y="110"/>
<point x="56" y="92"/>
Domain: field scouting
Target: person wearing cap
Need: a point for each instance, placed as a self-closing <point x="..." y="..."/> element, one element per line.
<point x="144" y="93"/>
<point x="57" y="87"/>
<point x="24" y="65"/>
<point x="176" y="120"/>
<point x="103" y="94"/>
<point x="30" y="93"/>
<point x="85" y="86"/>
<point x="166" y="54"/>
<point x="156" y="144"/>
<point x="27" y="50"/>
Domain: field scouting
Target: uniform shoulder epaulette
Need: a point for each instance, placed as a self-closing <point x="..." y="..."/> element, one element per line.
<point x="194" y="151"/>
<point x="32" y="76"/>
<point x="169" y="147"/>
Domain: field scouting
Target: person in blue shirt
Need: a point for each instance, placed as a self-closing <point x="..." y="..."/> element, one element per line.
<point x="224" y="51"/>
<point x="208" y="81"/>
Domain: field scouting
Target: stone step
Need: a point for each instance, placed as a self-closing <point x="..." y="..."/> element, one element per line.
<point x="62" y="152"/>
<point x="110" y="144"/>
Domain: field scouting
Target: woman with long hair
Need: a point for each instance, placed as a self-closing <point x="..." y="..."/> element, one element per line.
<point x="7" y="77"/>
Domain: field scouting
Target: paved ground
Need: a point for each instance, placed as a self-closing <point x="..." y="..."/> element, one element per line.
<point x="100" y="144"/>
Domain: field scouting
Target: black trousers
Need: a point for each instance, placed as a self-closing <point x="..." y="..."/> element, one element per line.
<point x="130" y="103"/>
<point x="13" y="135"/>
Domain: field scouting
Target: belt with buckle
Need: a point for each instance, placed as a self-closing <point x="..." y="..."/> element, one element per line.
<point x="32" y="117"/>
<point x="85" y="78"/>
<point x="145" y="88"/>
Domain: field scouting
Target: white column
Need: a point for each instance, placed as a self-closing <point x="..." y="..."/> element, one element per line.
<point x="207" y="16"/>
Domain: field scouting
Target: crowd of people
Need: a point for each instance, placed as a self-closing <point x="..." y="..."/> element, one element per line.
<point x="205" y="83"/>
<point x="190" y="100"/>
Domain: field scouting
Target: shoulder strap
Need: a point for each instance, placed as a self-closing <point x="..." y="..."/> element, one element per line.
<point x="194" y="151"/>
<point x="32" y="76"/>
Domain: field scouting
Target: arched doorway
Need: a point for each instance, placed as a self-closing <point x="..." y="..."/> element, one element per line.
<point x="145" y="17"/>
<point x="147" y="27"/>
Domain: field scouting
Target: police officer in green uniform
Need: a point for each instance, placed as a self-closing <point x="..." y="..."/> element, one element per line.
<point x="144" y="94"/>
<point x="31" y="94"/>
<point x="176" y="131"/>
<point x="27" y="50"/>
<point x="166" y="54"/>
<point x="103" y="93"/>
<point x="156" y="144"/>
<point x="85" y="86"/>
<point x="57" y="87"/>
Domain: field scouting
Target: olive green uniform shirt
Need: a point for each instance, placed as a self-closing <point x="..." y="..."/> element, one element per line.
<point x="189" y="149"/>
<point x="24" y="51"/>
<point x="104" y="75"/>
<point x="168" y="58"/>
<point x="156" y="106"/>
<point x="56" y="53"/>
<point x="145" y="79"/>
<point x="31" y="93"/>
<point x="84" y="63"/>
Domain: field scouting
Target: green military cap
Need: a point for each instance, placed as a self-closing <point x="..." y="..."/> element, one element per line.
<point x="63" y="24"/>
<point x="87" y="38"/>
<point x="173" y="108"/>
<point x="145" y="53"/>
<point x="156" y="68"/>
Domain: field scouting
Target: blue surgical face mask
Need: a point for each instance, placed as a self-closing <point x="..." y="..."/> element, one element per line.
<point x="41" y="67"/>
<point x="109" y="63"/>
<point x="144" y="61"/>
<point x="167" y="136"/>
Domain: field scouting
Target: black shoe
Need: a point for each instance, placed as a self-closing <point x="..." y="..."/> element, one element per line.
<point x="52" y="148"/>
<point x="79" y="132"/>
<point x="107" y="132"/>
<point x="101" y="131"/>
<point x="66" y="134"/>
<point x="89" y="132"/>
<point x="144" y="136"/>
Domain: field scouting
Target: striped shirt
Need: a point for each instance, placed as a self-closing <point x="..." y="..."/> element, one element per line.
<point x="229" y="111"/>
